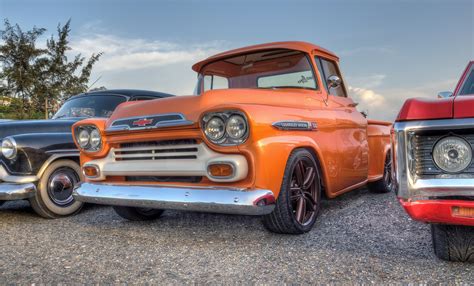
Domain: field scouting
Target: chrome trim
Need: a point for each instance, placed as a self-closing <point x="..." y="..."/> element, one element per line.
<point x="60" y="151"/>
<point x="159" y="124"/>
<point x="10" y="192"/>
<point x="6" y="177"/>
<point x="52" y="159"/>
<point x="205" y="199"/>
<point x="13" y="141"/>
<point x="407" y="184"/>
<point x="295" y="125"/>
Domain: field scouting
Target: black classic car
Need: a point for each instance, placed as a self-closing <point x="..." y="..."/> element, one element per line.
<point x="38" y="158"/>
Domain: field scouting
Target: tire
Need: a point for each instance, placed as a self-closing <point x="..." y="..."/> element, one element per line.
<point x="299" y="201"/>
<point x="53" y="197"/>
<point x="138" y="214"/>
<point x="453" y="242"/>
<point x="385" y="185"/>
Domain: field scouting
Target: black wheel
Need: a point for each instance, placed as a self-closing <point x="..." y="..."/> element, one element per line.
<point x="385" y="185"/>
<point x="53" y="198"/>
<point x="138" y="214"/>
<point x="299" y="201"/>
<point x="453" y="242"/>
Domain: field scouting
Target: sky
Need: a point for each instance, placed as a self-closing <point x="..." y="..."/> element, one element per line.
<point x="389" y="50"/>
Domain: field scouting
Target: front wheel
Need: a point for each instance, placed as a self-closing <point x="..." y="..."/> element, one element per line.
<point x="299" y="201"/>
<point x="53" y="197"/>
<point x="453" y="242"/>
<point x="138" y="214"/>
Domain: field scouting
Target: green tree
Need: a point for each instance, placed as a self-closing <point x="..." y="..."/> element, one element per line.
<point x="41" y="77"/>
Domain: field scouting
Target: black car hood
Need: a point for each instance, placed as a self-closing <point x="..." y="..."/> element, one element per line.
<point x="11" y="128"/>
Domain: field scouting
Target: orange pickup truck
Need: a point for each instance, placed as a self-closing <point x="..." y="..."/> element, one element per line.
<point x="269" y="130"/>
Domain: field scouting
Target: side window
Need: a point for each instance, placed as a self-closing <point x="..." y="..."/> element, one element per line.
<point x="215" y="82"/>
<point x="326" y="69"/>
<point x="143" y="97"/>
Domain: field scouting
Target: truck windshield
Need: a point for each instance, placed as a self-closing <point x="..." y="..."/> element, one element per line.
<point x="90" y="106"/>
<point x="268" y="69"/>
<point x="468" y="86"/>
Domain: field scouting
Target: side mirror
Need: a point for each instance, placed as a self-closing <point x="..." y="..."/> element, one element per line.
<point x="445" y="94"/>
<point x="334" y="81"/>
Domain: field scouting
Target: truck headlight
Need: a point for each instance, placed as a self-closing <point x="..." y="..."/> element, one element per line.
<point x="9" y="148"/>
<point x="88" y="138"/>
<point x="226" y="128"/>
<point x="452" y="154"/>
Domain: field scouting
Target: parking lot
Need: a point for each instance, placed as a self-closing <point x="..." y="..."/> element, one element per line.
<point x="360" y="237"/>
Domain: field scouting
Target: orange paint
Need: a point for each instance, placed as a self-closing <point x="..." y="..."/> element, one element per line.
<point x="350" y="149"/>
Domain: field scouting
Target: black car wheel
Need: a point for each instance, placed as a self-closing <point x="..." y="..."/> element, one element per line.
<point x="299" y="201"/>
<point x="54" y="194"/>
<point x="453" y="242"/>
<point x="138" y="214"/>
<point x="385" y="185"/>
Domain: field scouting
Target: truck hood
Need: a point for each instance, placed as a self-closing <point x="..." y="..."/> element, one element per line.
<point x="193" y="106"/>
<point x="17" y="127"/>
<point x="446" y="108"/>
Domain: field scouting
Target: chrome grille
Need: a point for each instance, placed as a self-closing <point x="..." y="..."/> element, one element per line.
<point x="425" y="165"/>
<point x="157" y="150"/>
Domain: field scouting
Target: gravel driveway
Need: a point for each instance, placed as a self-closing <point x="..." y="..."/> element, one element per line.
<point x="359" y="237"/>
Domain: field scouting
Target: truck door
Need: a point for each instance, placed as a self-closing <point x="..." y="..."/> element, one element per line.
<point x="351" y="134"/>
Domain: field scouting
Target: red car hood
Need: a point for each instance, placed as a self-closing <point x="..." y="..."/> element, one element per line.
<point x="428" y="109"/>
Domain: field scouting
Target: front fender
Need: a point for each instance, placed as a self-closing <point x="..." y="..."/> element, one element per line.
<point x="34" y="150"/>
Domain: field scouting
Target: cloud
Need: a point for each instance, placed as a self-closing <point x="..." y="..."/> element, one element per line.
<point x="144" y="64"/>
<point x="385" y="103"/>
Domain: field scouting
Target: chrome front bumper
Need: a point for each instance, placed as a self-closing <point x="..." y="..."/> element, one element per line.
<point x="10" y="191"/>
<point x="407" y="184"/>
<point x="206" y="199"/>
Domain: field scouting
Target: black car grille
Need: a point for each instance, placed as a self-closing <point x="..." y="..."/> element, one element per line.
<point x="424" y="144"/>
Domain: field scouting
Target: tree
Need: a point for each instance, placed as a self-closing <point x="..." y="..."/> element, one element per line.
<point x="41" y="77"/>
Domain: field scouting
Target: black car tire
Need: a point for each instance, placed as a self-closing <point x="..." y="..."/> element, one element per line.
<point x="138" y="214"/>
<point x="294" y="195"/>
<point x="44" y="203"/>
<point x="453" y="242"/>
<point x="384" y="185"/>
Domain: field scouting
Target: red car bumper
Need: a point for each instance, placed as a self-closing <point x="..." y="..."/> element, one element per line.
<point x="446" y="212"/>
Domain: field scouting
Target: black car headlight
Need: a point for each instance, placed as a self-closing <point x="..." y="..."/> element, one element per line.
<point x="9" y="148"/>
<point x="225" y="128"/>
<point x="88" y="138"/>
<point x="452" y="154"/>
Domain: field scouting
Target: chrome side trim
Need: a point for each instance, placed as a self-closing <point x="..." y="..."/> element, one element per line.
<point x="295" y="125"/>
<point x="9" y="192"/>
<point x="408" y="185"/>
<point x="54" y="158"/>
<point x="158" y="124"/>
<point x="6" y="177"/>
<point x="205" y="199"/>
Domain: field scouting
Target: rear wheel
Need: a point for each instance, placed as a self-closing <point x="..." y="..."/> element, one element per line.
<point x="453" y="242"/>
<point x="53" y="198"/>
<point x="385" y="185"/>
<point x="138" y="214"/>
<point x="299" y="202"/>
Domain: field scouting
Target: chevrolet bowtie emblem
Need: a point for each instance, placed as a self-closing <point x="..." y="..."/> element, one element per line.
<point x="142" y="122"/>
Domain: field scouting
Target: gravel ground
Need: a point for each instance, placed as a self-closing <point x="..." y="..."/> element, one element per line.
<point x="359" y="238"/>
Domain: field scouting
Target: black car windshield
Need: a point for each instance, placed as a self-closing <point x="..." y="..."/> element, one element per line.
<point x="266" y="69"/>
<point x="90" y="106"/>
<point x="468" y="86"/>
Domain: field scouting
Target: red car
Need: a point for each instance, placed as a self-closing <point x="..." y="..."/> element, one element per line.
<point x="433" y="142"/>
